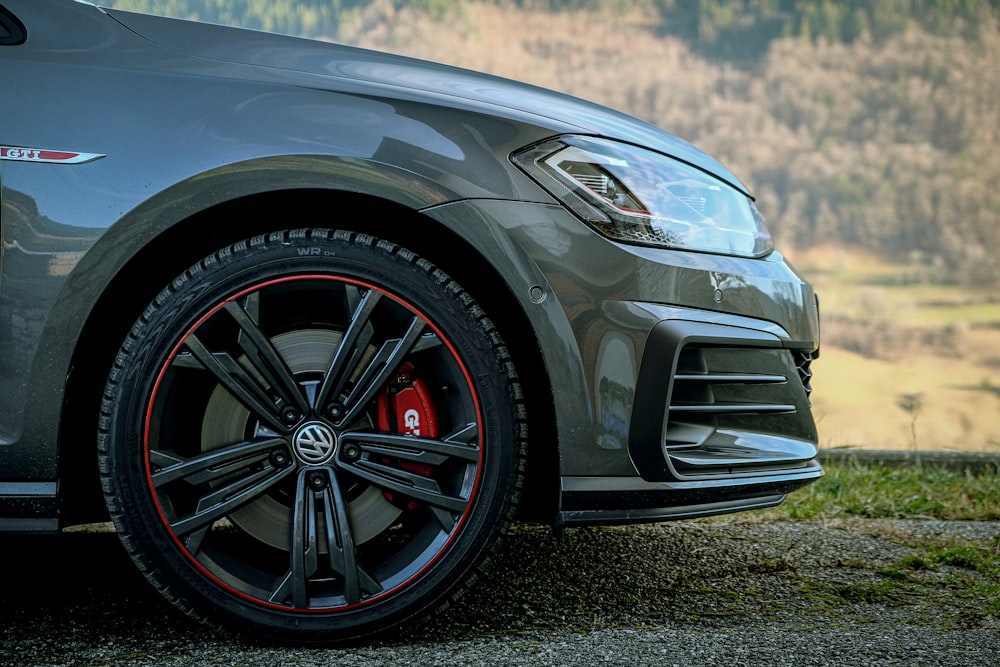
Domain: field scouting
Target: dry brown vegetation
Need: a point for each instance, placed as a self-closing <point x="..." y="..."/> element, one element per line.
<point x="886" y="144"/>
<point x="904" y="366"/>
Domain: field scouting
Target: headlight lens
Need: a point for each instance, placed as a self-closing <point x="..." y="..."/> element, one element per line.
<point x="634" y="195"/>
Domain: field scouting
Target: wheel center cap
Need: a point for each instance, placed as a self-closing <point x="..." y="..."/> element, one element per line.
<point x="314" y="443"/>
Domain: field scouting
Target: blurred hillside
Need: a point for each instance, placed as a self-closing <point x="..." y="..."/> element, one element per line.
<point x="874" y="124"/>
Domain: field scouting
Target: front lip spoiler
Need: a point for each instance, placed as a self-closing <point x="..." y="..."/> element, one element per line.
<point x="627" y="500"/>
<point x="571" y="518"/>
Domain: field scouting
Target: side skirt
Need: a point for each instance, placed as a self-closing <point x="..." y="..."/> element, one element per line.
<point x="29" y="507"/>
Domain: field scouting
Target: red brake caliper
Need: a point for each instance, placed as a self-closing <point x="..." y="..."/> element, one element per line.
<point x="405" y="407"/>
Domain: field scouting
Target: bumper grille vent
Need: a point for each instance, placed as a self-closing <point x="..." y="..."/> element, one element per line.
<point x="734" y="403"/>
<point x="708" y="385"/>
<point x="722" y="420"/>
<point x="701" y="384"/>
<point x="803" y="362"/>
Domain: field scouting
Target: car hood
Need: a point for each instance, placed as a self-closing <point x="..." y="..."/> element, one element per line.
<point x="332" y="62"/>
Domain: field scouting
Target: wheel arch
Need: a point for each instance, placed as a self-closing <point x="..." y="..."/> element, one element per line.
<point x="199" y="234"/>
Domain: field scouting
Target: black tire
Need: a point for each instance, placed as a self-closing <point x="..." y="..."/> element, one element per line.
<point x="251" y="459"/>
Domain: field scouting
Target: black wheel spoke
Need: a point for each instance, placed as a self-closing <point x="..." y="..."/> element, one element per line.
<point x="265" y="359"/>
<point x="458" y="445"/>
<point x="214" y="465"/>
<point x="353" y="346"/>
<point x="381" y="369"/>
<point x="397" y="480"/>
<point x="371" y="449"/>
<point x="356" y="374"/>
<point x="340" y="545"/>
<point x="221" y="480"/>
<point x="309" y="535"/>
<point x="304" y="554"/>
<point x="193" y="541"/>
<point x="244" y="386"/>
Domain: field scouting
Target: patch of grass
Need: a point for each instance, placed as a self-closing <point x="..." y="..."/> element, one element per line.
<point x="957" y="578"/>
<point x="875" y="492"/>
<point x="964" y="577"/>
<point x="885" y="591"/>
<point x="981" y="559"/>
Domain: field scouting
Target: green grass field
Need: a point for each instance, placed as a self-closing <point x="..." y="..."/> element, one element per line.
<point x="904" y="365"/>
<point x="850" y="490"/>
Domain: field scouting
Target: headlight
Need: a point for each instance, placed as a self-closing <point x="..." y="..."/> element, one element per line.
<point x="634" y="195"/>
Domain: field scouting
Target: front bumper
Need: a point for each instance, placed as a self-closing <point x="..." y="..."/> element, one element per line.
<point x="720" y="422"/>
<point x="679" y="380"/>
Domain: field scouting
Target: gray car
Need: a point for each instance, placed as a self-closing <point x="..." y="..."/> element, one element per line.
<point x="314" y="324"/>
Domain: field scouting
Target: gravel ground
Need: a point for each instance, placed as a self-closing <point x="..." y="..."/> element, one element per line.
<point x="732" y="592"/>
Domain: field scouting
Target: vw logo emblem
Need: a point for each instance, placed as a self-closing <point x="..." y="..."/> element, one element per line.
<point x="314" y="443"/>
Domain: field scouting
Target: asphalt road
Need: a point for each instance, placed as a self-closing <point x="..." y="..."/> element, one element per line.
<point x="692" y="593"/>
